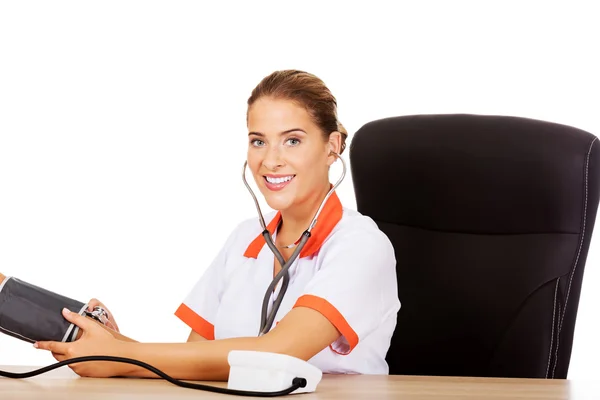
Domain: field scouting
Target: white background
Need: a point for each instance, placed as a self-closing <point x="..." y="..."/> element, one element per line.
<point x="122" y="125"/>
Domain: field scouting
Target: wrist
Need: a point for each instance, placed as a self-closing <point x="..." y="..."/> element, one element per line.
<point x="131" y="350"/>
<point x="123" y="349"/>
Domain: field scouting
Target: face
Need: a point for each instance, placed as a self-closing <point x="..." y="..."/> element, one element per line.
<point x="287" y="153"/>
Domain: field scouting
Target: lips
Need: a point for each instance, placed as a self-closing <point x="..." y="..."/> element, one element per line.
<point x="278" y="182"/>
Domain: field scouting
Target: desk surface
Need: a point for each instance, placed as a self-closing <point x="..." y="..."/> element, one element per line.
<point x="63" y="383"/>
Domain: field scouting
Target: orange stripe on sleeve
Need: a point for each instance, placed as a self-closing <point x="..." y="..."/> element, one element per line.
<point x="196" y="322"/>
<point x="332" y="314"/>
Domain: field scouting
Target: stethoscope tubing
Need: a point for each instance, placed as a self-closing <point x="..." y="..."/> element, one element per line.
<point x="266" y="321"/>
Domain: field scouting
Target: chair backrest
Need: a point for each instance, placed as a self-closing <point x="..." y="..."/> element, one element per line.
<point x="491" y="219"/>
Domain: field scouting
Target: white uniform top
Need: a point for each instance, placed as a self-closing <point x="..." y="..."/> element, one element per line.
<point x="346" y="271"/>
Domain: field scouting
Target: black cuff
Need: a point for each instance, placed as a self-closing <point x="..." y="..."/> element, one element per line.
<point x="31" y="313"/>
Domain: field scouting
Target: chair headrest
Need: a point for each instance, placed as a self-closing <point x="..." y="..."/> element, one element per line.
<point x="472" y="173"/>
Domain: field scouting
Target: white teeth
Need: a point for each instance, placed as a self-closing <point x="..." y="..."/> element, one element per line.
<point x="279" y="180"/>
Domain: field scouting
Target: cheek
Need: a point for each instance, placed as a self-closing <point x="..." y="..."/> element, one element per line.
<point x="253" y="162"/>
<point x="312" y="167"/>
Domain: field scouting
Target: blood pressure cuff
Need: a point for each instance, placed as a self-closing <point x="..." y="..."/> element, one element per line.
<point x="30" y="313"/>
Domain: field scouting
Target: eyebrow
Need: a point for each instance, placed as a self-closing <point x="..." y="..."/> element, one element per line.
<point x="281" y="133"/>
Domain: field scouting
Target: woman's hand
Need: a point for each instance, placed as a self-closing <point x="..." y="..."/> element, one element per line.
<point x="111" y="323"/>
<point x="95" y="340"/>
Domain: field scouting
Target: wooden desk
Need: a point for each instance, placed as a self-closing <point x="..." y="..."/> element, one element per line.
<point x="64" y="384"/>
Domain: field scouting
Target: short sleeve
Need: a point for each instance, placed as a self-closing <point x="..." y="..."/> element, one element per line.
<point x="355" y="287"/>
<point x="199" y="307"/>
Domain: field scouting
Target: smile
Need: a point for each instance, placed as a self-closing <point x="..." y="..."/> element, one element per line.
<point x="279" y="180"/>
<point x="278" y="183"/>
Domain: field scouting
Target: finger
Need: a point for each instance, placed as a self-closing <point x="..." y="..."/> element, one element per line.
<point x="79" y="320"/>
<point x="59" y="357"/>
<point x="93" y="303"/>
<point x="112" y="325"/>
<point x="109" y="316"/>
<point x="54" y="347"/>
<point x="110" y="321"/>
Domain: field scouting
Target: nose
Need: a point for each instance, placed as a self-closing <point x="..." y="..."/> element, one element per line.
<point x="273" y="158"/>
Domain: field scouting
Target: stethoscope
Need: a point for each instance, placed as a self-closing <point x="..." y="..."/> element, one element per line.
<point x="267" y="318"/>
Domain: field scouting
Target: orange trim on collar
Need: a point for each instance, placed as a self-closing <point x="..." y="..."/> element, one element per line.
<point x="330" y="216"/>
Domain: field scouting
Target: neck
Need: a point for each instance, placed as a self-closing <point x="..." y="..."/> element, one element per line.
<point x="296" y="221"/>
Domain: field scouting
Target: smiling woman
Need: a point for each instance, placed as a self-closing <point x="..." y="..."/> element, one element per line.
<point x="293" y="127"/>
<point x="339" y="311"/>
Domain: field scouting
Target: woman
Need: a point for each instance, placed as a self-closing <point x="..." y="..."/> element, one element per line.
<point x="339" y="311"/>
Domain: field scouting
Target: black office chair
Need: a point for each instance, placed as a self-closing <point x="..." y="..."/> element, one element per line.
<point x="491" y="219"/>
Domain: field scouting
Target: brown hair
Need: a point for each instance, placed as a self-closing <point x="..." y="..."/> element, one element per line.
<point x="307" y="90"/>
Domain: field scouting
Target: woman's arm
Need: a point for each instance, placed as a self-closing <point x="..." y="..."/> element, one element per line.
<point x="302" y="333"/>
<point x="195" y="337"/>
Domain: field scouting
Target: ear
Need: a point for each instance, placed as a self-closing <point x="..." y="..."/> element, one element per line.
<point x="333" y="144"/>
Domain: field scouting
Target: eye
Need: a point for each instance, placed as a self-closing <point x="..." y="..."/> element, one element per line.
<point x="293" y="141"/>
<point x="257" y="142"/>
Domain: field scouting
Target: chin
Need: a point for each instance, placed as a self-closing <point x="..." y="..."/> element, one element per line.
<point x="278" y="201"/>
